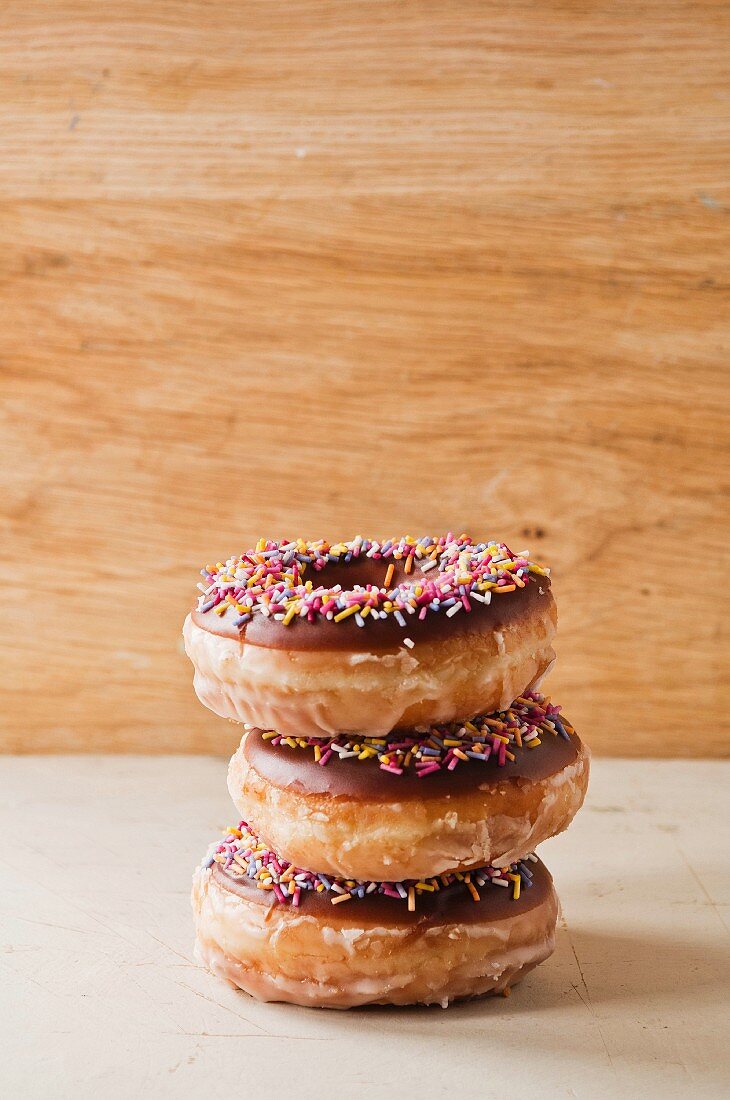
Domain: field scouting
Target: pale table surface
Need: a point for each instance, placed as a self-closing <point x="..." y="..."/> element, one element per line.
<point x="99" y="995"/>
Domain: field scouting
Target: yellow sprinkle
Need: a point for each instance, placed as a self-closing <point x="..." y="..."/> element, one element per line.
<point x="473" y="890"/>
<point x="425" y="886"/>
<point x="291" y="612"/>
<point x="347" y="612"/>
<point x="516" y="891"/>
<point x="317" y="753"/>
<point x="411" y="900"/>
<point x="533" y="744"/>
<point x="340" y="897"/>
<point x="460" y="754"/>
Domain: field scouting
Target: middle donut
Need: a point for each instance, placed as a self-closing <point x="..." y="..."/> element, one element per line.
<point x="414" y="804"/>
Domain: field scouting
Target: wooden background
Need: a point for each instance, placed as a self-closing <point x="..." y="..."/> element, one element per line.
<point x="329" y="268"/>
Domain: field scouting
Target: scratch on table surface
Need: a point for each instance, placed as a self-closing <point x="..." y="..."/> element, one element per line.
<point x="265" y="1035"/>
<point x="217" y="1004"/>
<point x="67" y="900"/>
<point x="52" y="924"/>
<point x="587" y="1000"/>
<point x="164" y="943"/>
<point x="710" y="900"/>
<point x="27" y="978"/>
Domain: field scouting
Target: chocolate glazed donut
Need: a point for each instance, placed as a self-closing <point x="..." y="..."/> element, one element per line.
<point x="366" y="637"/>
<point x="372" y="950"/>
<point x="352" y="818"/>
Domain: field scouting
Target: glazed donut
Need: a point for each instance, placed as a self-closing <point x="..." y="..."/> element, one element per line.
<point x="365" y="637"/>
<point x="282" y="934"/>
<point x="414" y="804"/>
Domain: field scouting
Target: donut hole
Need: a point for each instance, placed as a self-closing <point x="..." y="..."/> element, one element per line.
<point x="362" y="571"/>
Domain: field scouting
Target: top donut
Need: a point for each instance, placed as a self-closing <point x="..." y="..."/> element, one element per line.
<point x="313" y="639"/>
<point x="397" y="591"/>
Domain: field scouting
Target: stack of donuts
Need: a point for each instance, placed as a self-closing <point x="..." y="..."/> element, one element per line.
<point x="398" y="767"/>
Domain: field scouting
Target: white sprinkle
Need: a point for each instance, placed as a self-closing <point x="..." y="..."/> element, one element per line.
<point x="452" y="610"/>
<point x="430" y="564"/>
<point x="409" y="643"/>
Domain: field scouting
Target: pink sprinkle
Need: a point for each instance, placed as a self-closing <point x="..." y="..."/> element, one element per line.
<point x="391" y="768"/>
<point x="325" y="757"/>
<point x="427" y="771"/>
<point x="279" y="893"/>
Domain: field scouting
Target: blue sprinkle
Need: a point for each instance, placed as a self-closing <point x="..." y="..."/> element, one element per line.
<point x="561" y="729"/>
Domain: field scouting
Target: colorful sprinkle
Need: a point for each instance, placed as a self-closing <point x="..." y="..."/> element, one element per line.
<point x="279" y="579"/>
<point x="490" y="738"/>
<point x="241" y="854"/>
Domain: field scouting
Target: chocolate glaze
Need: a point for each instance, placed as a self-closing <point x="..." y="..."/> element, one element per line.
<point x="364" y="781"/>
<point x="452" y="904"/>
<point x="380" y="634"/>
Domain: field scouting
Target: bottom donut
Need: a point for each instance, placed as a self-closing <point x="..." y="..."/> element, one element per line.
<point x="284" y="934"/>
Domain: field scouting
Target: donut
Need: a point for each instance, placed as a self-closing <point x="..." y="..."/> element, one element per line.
<point x="413" y="804"/>
<point x="283" y="934"/>
<point x="365" y="637"/>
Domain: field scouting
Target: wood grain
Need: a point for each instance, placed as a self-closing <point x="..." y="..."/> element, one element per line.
<point x="325" y="269"/>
